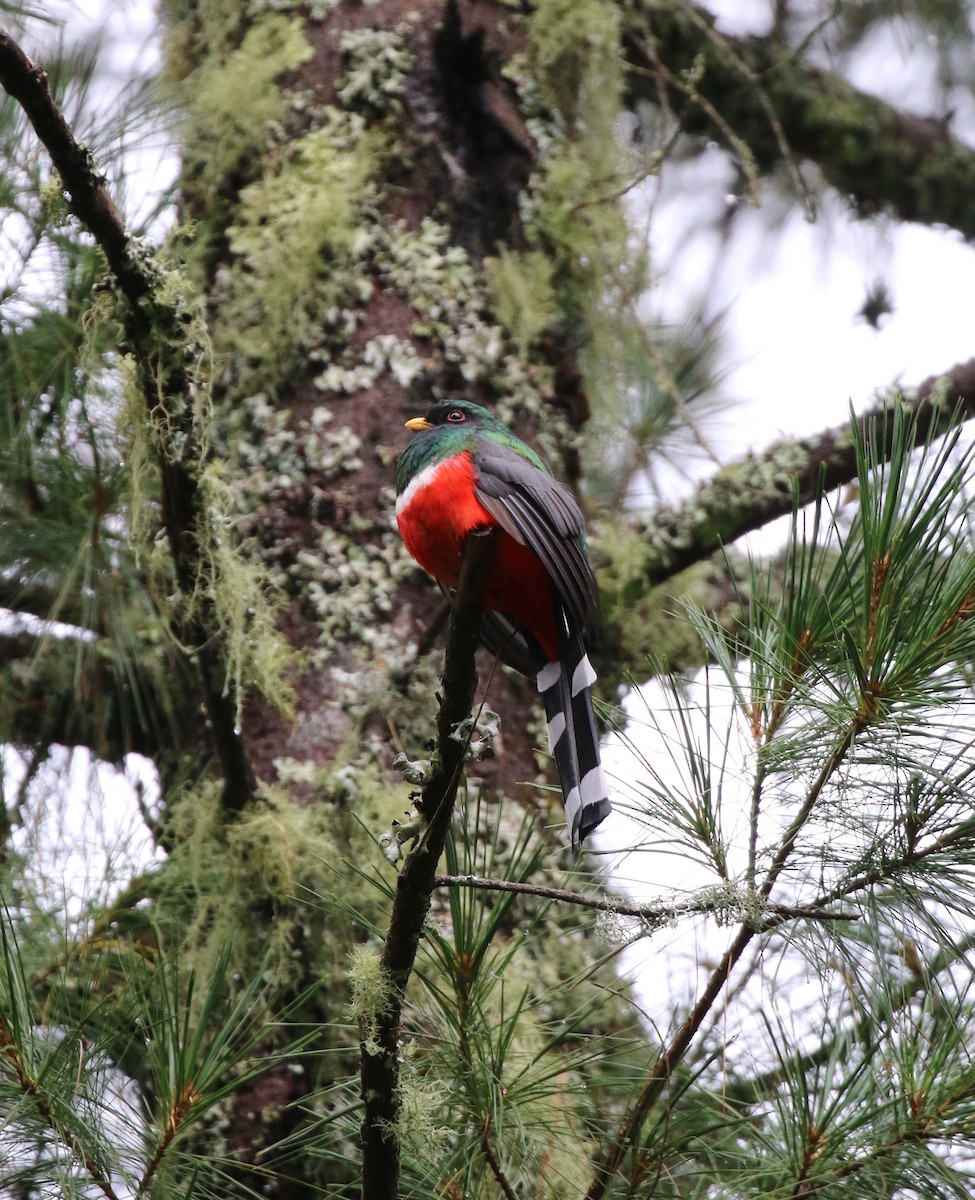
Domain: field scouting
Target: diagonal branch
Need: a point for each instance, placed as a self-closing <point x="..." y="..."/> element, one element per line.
<point x="159" y="334"/>
<point x="757" y="1088"/>
<point x="31" y="1087"/>
<point x="379" y="1054"/>
<point x="672" y="1054"/>
<point x="777" y="105"/>
<point x="756" y="489"/>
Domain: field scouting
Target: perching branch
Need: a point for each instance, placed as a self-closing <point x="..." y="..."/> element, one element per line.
<point x="756" y="489"/>
<point x="158" y="332"/>
<point x="379" y="1055"/>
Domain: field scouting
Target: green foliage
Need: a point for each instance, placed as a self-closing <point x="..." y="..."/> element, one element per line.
<point x="500" y="1075"/>
<point x="654" y="388"/>
<point x="818" y="782"/>
<point x="190" y="1041"/>
<point x="577" y="59"/>
<point x="827" y="773"/>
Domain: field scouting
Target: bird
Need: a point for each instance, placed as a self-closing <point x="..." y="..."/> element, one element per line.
<point x="465" y="471"/>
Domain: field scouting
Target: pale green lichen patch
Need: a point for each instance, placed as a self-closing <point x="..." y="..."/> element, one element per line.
<point x="373" y="993"/>
<point x="230" y="587"/>
<point x="577" y="58"/>
<point x="377" y="62"/>
<point x="522" y="294"/>
<point x="582" y="263"/>
<point x="345" y="585"/>
<point x="296" y="237"/>
<point x="386" y="352"/>
<point x="233" y="97"/>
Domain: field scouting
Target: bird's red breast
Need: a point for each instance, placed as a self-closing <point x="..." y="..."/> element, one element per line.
<point x="435" y="514"/>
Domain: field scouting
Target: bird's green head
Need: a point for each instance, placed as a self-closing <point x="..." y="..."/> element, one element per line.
<point x="453" y="427"/>
<point x="457" y="414"/>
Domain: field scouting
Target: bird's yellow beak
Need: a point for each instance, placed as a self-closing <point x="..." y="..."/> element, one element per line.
<point x="417" y="423"/>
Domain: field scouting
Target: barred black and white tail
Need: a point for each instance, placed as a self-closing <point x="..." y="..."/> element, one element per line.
<point x="572" y="737"/>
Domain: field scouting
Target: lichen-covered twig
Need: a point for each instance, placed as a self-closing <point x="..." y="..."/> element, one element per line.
<point x="379" y="1051"/>
<point x="724" y="900"/>
<point x="160" y="336"/>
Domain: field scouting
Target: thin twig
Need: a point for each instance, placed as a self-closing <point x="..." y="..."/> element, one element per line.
<point x="799" y="821"/>
<point x="491" y="1157"/>
<point x="725" y="47"/>
<point x="654" y="912"/>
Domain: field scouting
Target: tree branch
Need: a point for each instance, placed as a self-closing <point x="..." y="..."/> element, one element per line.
<point x="159" y="336"/>
<point x="50" y="675"/>
<point x="758" y="1088"/>
<point x="756" y="489"/>
<point x="881" y="157"/>
<point x="32" y="1088"/>
<point x="379" y="1054"/>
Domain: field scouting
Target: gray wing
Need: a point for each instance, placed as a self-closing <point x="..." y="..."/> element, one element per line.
<point x="540" y="513"/>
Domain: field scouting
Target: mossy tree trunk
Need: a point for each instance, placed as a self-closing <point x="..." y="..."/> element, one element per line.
<point x="366" y="194"/>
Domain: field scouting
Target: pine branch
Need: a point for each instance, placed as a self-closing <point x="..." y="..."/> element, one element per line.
<point x="777" y="106"/>
<point x="159" y="338"/>
<point x="31" y="1087"/>
<point x="494" y="1163"/>
<point x="379" y="1053"/>
<point x="756" y="489"/>
<point x="758" y="1088"/>
<point x="43" y="672"/>
<point x="671" y="1055"/>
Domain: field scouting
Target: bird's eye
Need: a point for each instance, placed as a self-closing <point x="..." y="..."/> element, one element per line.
<point x="455" y="414"/>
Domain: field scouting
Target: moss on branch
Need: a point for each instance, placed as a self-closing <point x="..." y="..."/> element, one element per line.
<point x="758" y="488"/>
<point x="883" y="158"/>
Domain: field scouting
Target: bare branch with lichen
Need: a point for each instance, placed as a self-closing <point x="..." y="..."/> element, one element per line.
<point x="159" y="330"/>
<point x="742" y="904"/>
<point x="910" y="164"/>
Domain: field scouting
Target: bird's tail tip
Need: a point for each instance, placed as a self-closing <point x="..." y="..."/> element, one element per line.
<point x="587" y="806"/>
<point x="589" y="819"/>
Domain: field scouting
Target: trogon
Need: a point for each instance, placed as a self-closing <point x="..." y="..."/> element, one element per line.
<point x="466" y="470"/>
